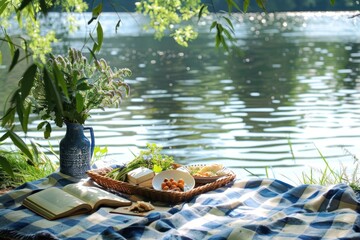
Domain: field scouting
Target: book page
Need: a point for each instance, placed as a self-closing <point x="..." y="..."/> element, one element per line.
<point x="53" y="201"/>
<point x="96" y="196"/>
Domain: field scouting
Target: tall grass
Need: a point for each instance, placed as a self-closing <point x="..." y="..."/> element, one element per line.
<point x="331" y="174"/>
<point x="24" y="170"/>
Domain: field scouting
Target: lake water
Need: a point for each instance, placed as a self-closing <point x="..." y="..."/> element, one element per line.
<point x="293" y="90"/>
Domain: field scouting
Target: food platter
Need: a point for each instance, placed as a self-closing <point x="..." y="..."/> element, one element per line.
<point x="204" y="173"/>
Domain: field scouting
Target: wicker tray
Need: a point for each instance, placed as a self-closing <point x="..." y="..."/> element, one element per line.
<point x="99" y="177"/>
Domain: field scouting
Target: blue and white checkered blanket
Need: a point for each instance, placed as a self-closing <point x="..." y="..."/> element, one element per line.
<point x="244" y="209"/>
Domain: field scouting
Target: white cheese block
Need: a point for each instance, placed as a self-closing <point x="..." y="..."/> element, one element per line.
<point x="147" y="183"/>
<point x="140" y="175"/>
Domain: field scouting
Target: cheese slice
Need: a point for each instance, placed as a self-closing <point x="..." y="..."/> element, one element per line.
<point x="147" y="183"/>
<point x="140" y="175"/>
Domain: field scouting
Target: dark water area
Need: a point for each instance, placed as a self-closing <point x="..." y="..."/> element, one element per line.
<point x="291" y="91"/>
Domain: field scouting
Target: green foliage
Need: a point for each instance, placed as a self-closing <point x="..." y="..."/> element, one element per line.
<point x="56" y="88"/>
<point x="65" y="89"/>
<point x="232" y="4"/>
<point x="165" y="15"/>
<point x="16" y="168"/>
<point x="28" y="16"/>
<point x="223" y="33"/>
<point x="326" y="176"/>
<point x="330" y="174"/>
<point x="99" y="153"/>
<point x="150" y="158"/>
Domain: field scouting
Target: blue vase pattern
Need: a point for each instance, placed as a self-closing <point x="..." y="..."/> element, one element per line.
<point x="76" y="150"/>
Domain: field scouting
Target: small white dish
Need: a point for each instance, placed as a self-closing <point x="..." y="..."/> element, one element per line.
<point x="189" y="181"/>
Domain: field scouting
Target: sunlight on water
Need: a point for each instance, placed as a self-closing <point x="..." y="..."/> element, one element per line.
<point x="293" y="88"/>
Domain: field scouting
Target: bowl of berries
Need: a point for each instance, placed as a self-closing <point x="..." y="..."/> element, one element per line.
<point x="173" y="180"/>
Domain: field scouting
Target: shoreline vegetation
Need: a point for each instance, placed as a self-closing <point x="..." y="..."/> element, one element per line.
<point x="44" y="166"/>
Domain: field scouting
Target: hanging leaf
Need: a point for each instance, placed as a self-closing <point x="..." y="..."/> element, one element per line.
<point x="100" y="36"/>
<point x="20" y="144"/>
<point x="261" y="4"/>
<point x="44" y="7"/>
<point x="41" y="125"/>
<point x="4" y="136"/>
<point x="25" y="121"/>
<point x="5" y="165"/>
<point x="3" y="5"/>
<point x="52" y="93"/>
<point x="95" y="46"/>
<point x="231" y="4"/>
<point x="35" y="152"/>
<point x="95" y="13"/>
<point x="231" y="26"/>
<point x="20" y="110"/>
<point x="228" y="34"/>
<point x="23" y="4"/>
<point x="10" y="43"/>
<point x="59" y="76"/>
<point x="213" y="24"/>
<point x="27" y="81"/>
<point x="79" y="102"/>
<point x="246" y="5"/>
<point x="203" y="7"/>
<point x="15" y="59"/>
<point x="117" y="25"/>
<point x="9" y="117"/>
<point x="47" y="130"/>
<point x="92" y="54"/>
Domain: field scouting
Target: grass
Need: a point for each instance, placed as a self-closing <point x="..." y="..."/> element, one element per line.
<point x="24" y="170"/>
<point x="329" y="175"/>
<point x="42" y="166"/>
<point x="27" y="171"/>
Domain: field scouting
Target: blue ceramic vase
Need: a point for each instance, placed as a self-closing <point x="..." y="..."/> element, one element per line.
<point x="76" y="150"/>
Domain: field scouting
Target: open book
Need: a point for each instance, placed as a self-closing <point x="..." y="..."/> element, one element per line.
<point x="53" y="203"/>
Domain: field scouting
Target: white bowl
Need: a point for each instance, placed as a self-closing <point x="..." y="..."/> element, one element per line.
<point x="189" y="181"/>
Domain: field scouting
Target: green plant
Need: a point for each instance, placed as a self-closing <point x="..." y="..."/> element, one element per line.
<point x="150" y="158"/>
<point x="28" y="17"/>
<point x="329" y="175"/>
<point x="66" y="88"/>
<point x="99" y="153"/>
<point x="24" y="169"/>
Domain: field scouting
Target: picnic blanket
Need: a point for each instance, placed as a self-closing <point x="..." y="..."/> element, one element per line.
<point x="244" y="209"/>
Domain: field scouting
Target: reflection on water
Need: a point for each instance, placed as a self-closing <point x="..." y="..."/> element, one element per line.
<point x="293" y="89"/>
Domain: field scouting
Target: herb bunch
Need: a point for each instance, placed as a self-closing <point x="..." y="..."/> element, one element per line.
<point x="150" y="158"/>
<point x="68" y="87"/>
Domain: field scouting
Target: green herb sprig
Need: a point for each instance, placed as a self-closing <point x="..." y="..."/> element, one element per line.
<point x="150" y="158"/>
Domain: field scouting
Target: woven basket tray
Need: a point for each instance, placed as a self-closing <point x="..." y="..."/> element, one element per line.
<point x="171" y="197"/>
